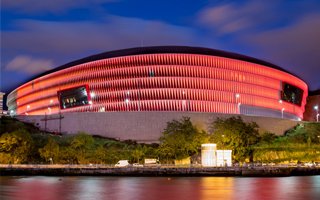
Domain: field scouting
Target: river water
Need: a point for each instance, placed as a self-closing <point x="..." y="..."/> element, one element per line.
<point x="158" y="188"/>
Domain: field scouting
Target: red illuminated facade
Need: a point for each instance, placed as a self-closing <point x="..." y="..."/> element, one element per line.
<point x="163" y="79"/>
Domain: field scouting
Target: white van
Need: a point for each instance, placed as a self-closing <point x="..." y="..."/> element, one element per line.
<point x="122" y="163"/>
<point x="151" y="162"/>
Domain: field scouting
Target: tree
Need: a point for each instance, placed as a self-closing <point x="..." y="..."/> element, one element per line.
<point x="235" y="134"/>
<point x="67" y="155"/>
<point x="181" y="139"/>
<point x="50" y="152"/>
<point x="306" y="132"/>
<point x="267" y="137"/>
<point x="82" y="143"/>
<point x="165" y="151"/>
<point x="15" y="147"/>
<point x="139" y="152"/>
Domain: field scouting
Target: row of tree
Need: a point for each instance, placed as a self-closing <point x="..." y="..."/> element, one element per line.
<point x="22" y="143"/>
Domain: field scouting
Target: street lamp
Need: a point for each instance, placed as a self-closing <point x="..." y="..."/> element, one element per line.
<point x="92" y="94"/>
<point x="317" y="109"/>
<point x="127" y="103"/>
<point x="183" y="101"/>
<point x="282" y="112"/>
<point x="280" y="102"/>
<point x="139" y="94"/>
<point x="127" y="100"/>
<point x="237" y="100"/>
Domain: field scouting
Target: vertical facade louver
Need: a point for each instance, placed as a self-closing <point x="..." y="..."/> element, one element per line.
<point x="164" y="82"/>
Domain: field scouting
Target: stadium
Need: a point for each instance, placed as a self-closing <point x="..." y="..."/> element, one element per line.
<point x="167" y="79"/>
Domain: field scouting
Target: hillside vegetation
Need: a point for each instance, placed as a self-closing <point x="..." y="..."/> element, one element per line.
<point x="24" y="143"/>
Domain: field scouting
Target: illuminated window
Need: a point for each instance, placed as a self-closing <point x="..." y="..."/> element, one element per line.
<point x="291" y="94"/>
<point x="74" y="97"/>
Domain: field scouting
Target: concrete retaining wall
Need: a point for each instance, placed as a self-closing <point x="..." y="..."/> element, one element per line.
<point x="157" y="171"/>
<point x="140" y="126"/>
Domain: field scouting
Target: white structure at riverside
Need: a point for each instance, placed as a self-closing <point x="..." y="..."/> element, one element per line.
<point x="208" y="155"/>
<point x="211" y="157"/>
<point x="223" y="158"/>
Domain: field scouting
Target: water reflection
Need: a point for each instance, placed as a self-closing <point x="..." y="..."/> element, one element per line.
<point x="162" y="188"/>
<point x="217" y="188"/>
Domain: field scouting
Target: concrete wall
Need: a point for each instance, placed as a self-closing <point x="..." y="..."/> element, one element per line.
<point x="140" y="126"/>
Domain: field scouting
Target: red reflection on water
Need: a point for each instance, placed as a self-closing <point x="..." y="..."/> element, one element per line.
<point x="158" y="188"/>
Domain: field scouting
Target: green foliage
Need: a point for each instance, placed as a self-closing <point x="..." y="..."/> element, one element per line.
<point x="8" y="125"/>
<point x="233" y="133"/>
<point x="15" y="147"/>
<point x="302" y="133"/>
<point x="139" y="153"/>
<point x="82" y="143"/>
<point x="50" y="152"/>
<point x="67" y="155"/>
<point x="267" y="137"/>
<point x="166" y="152"/>
<point x="301" y="143"/>
<point x="180" y="139"/>
<point x="285" y="153"/>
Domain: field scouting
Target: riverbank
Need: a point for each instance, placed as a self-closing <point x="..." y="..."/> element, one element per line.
<point x="105" y="170"/>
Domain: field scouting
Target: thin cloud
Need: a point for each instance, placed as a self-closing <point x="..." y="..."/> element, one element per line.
<point x="231" y="18"/>
<point x="29" y="65"/>
<point x="70" y="38"/>
<point x="53" y="6"/>
<point x="297" y="45"/>
<point x="65" y="41"/>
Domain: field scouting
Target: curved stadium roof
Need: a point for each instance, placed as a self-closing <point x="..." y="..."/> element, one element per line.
<point x="165" y="49"/>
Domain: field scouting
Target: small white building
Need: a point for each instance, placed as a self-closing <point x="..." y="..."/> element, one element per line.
<point x="211" y="157"/>
<point x="224" y="158"/>
<point x="208" y="155"/>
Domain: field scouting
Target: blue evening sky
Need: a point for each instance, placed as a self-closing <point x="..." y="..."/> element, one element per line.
<point x="39" y="35"/>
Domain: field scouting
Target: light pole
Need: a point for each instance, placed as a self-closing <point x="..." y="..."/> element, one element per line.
<point x="28" y="107"/>
<point x="139" y="94"/>
<point x="280" y="102"/>
<point x="127" y="100"/>
<point x="317" y="109"/>
<point x="238" y="101"/>
<point x="183" y="101"/>
<point x="282" y="112"/>
<point x="50" y="105"/>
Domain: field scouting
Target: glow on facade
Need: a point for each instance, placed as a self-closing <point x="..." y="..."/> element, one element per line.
<point x="164" y="82"/>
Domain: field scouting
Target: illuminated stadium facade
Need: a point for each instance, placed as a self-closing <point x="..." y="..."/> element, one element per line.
<point x="165" y="78"/>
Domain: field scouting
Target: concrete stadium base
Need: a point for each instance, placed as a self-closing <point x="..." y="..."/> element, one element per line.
<point x="146" y="127"/>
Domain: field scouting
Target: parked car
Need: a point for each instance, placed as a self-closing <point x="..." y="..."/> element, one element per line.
<point x="122" y="163"/>
<point x="137" y="165"/>
<point x="151" y="162"/>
